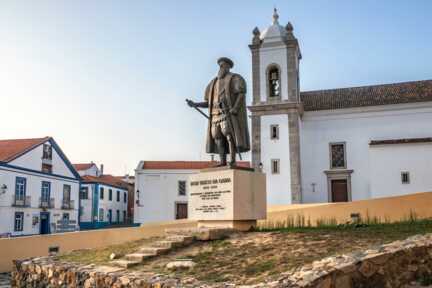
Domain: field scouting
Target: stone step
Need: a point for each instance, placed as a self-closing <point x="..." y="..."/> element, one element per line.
<point x="180" y="231"/>
<point x="125" y="263"/>
<point x="140" y="257"/>
<point x="154" y="251"/>
<point x="165" y="244"/>
<point x="183" y="239"/>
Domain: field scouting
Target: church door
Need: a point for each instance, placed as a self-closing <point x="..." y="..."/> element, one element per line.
<point x="339" y="190"/>
<point x="181" y="210"/>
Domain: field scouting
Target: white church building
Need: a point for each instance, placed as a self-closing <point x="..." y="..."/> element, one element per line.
<point x="334" y="145"/>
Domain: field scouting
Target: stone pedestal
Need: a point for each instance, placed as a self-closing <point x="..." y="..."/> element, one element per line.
<point x="227" y="198"/>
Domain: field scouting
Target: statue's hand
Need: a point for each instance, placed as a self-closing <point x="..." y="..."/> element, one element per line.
<point x="190" y="103"/>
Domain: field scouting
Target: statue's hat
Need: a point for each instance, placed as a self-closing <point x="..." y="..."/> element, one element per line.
<point x="225" y="60"/>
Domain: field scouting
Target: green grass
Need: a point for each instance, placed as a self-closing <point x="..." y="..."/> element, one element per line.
<point x="102" y="255"/>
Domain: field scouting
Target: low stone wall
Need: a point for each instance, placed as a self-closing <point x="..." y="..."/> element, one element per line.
<point x="390" y="265"/>
<point x="389" y="209"/>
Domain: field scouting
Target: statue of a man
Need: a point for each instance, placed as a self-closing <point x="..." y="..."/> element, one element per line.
<point x="227" y="124"/>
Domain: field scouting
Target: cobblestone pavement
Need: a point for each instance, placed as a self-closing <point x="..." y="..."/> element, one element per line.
<point x="5" y="280"/>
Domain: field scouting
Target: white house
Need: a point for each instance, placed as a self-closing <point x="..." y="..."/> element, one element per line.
<point x="39" y="188"/>
<point x="104" y="201"/>
<point x="88" y="169"/>
<point x="334" y="145"/>
<point x="161" y="189"/>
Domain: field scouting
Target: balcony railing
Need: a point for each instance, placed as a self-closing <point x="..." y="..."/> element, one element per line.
<point x="68" y="204"/>
<point x="21" y="201"/>
<point x="46" y="202"/>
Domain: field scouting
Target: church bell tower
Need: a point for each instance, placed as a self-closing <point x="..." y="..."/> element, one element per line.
<point x="276" y="110"/>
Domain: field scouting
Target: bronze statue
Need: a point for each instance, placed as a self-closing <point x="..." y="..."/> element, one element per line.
<point x="225" y="97"/>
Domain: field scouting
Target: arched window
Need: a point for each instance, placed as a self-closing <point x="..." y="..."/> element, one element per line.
<point x="274" y="82"/>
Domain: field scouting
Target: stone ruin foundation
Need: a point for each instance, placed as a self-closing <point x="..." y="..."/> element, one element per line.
<point x="389" y="265"/>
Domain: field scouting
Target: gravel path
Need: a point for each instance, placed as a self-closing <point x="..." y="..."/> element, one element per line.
<point x="5" y="280"/>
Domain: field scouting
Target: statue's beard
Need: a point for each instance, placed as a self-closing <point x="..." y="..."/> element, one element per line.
<point x="222" y="73"/>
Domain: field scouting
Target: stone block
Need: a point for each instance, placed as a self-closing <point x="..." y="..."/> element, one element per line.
<point x="226" y="197"/>
<point x="140" y="257"/>
<point x="125" y="263"/>
<point x="154" y="250"/>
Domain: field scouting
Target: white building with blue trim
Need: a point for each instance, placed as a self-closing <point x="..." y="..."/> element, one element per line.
<point x="104" y="201"/>
<point x="39" y="188"/>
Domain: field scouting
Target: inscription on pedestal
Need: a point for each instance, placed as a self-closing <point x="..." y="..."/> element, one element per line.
<point x="211" y="196"/>
<point x="227" y="195"/>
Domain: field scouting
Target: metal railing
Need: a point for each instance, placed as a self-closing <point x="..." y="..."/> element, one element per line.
<point x="46" y="202"/>
<point x="68" y="204"/>
<point x="21" y="201"/>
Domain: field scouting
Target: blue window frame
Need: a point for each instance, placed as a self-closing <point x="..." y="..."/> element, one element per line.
<point x="19" y="221"/>
<point x="46" y="191"/>
<point x="20" y="188"/>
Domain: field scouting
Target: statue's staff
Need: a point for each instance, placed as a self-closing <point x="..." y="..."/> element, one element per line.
<point x="226" y="111"/>
<point x="192" y="104"/>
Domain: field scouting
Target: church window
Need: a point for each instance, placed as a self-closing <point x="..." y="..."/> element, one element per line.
<point x="274" y="82"/>
<point x="274" y="132"/>
<point x="337" y="156"/>
<point x="182" y="188"/>
<point x="275" y="166"/>
<point x="405" y="177"/>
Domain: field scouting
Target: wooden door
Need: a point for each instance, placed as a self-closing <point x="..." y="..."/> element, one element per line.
<point x="339" y="190"/>
<point x="181" y="210"/>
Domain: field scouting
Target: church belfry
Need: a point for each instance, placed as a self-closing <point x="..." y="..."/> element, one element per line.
<point x="276" y="106"/>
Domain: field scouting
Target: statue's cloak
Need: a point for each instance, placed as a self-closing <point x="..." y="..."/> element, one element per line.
<point x="235" y="93"/>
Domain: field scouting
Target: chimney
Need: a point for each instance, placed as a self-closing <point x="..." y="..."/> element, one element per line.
<point x="101" y="169"/>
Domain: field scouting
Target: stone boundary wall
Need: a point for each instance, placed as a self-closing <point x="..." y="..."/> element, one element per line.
<point x="389" y="265"/>
<point x="388" y="209"/>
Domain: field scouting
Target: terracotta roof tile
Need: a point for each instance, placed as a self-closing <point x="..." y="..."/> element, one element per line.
<point x="11" y="149"/>
<point x="186" y="165"/>
<point x="83" y="166"/>
<point x="398" y="93"/>
<point x="105" y="179"/>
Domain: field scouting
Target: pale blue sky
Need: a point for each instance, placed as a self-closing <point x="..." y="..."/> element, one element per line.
<point x="108" y="79"/>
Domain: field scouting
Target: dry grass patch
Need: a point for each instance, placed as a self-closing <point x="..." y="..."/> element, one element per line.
<point x="247" y="258"/>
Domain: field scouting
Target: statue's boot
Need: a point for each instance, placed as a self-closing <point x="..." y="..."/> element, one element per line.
<point x="223" y="161"/>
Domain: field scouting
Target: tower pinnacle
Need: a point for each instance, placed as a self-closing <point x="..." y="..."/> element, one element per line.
<point x="275" y="16"/>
